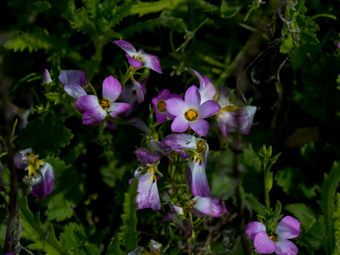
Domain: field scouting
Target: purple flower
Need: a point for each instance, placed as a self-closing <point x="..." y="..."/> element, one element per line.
<point x="73" y="81"/>
<point x="40" y="174"/>
<point x="207" y="89"/>
<point x="148" y="196"/>
<point x="231" y="118"/>
<point x="147" y="157"/>
<point x="138" y="59"/>
<point x="196" y="177"/>
<point x="277" y="242"/>
<point x="159" y="105"/>
<point x="190" y="112"/>
<point x="339" y="44"/>
<point x="96" y="110"/>
<point x="42" y="184"/>
<point x="47" y="77"/>
<point x="210" y="206"/>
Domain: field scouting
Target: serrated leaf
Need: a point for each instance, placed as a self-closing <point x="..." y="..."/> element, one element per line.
<point x="32" y="41"/>
<point x="51" y="132"/>
<point x="77" y="242"/>
<point x="32" y="229"/>
<point x="328" y="196"/>
<point x="304" y="214"/>
<point x="286" y="45"/>
<point x="337" y="226"/>
<point x="129" y="218"/>
<point x="59" y="208"/>
<point x="114" y="246"/>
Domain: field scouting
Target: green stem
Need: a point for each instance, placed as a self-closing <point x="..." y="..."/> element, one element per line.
<point x="266" y="189"/>
<point x="92" y="88"/>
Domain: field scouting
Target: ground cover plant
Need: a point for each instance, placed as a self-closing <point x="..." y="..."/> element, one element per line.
<point x="169" y="127"/>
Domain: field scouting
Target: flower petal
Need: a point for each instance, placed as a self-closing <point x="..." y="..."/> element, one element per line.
<point x="111" y="88"/>
<point x="208" y="206"/>
<point x="69" y="77"/>
<point x="94" y="116"/>
<point x="286" y="247"/>
<point x="138" y="123"/>
<point x="253" y="228"/>
<point x="263" y="244"/>
<point x="47" y="77"/>
<point x="152" y="62"/>
<point x="118" y="108"/>
<point x="183" y="141"/>
<point x="192" y="96"/>
<point x="134" y="62"/>
<point x="86" y="103"/>
<point x="154" y="197"/>
<point x="222" y="126"/>
<point x="125" y="46"/>
<point x="201" y="127"/>
<point x="179" y="124"/>
<point x="43" y="186"/>
<point x="147" y="157"/>
<point x="246" y="118"/>
<point x="208" y="109"/>
<point x="20" y="158"/>
<point x="288" y="228"/>
<point x="196" y="178"/>
<point x="147" y="196"/>
<point x="161" y="117"/>
<point x="207" y="89"/>
<point x="223" y="99"/>
<point x="73" y="81"/>
<point x="176" y="106"/>
<point x="139" y="91"/>
<point x="74" y="90"/>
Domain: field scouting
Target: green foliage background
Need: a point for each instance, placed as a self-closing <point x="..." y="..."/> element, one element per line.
<point x="288" y="67"/>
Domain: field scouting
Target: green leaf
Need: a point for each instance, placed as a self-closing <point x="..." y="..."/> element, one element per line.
<point x="259" y="208"/>
<point x="32" y="41"/>
<point x="337" y="226"/>
<point x="143" y="8"/>
<point x="305" y="215"/>
<point x="121" y="12"/>
<point x="129" y="218"/>
<point x="286" y="45"/>
<point x="328" y="196"/>
<point x="112" y="173"/>
<point x="114" y="246"/>
<point x="54" y="97"/>
<point x="229" y="10"/>
<point x="52" y="133"/>
<point x="43" y="238"/>
<point x="77" y="242"/>
<point x="59" y="208"/>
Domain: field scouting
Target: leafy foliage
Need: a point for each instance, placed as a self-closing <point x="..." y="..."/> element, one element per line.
<point x="328" y="195"/>
<point x="43" y="238"/>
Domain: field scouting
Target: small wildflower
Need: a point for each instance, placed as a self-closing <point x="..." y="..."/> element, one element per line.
<point x="278" y="242"/>
<point x="96" y="110"/>
<point x="47" y="77"/>
<point x="231" y="118"/>
<point x="138" y="59"/>
<point x="210" y="206"/>
<point x="190" y="112"/>
<point x="159" y="105"/>
<point x="73" y="81"/>
<point x="40" y="174"/>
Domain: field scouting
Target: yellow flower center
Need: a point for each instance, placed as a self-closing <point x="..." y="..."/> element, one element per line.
<point x="201" y="146"/>
<point x="274" y="238"/>
<point x="152" y="170"/>
<point x="33" y="164"/>
<point x="105" y="104"/>
<point x="191" y="115"/>
<point x="228" y="108"/>
<point x="161" y="107"/>
<point x="190" y="204"/>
